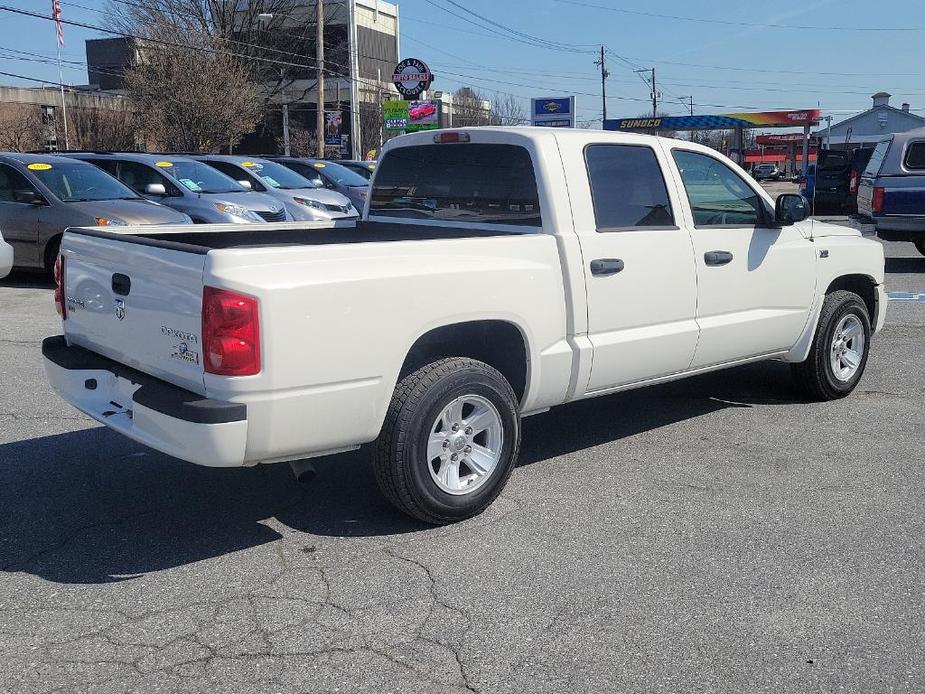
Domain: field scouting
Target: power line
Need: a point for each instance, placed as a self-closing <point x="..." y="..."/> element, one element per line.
<point x="730" y="22"/>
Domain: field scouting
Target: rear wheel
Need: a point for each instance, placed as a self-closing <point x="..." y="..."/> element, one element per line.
<point x="52" y="249"/>
<point x="449" y="442"/>
<point x="838" y="355"/>
<point x="920" y="245"/>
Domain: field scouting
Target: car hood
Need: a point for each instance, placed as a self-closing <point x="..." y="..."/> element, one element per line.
<point x="258" y="202"/>
<point x="823" y="229"/>
<point x="328" y="197"/>
<point x="136" y="211"/>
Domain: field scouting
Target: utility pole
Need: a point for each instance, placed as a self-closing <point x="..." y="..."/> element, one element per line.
<point x="604" y="76"/>
<point x="654" y="96"/>
<point x="319" y="55"/>
<point x="683" y="99"/>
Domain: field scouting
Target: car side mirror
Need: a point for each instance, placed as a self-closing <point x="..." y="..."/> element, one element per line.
<point x="29" y="196"/>
<point x="155" y="189"/>
<point x="790" y="209"/>
<point x="246" y="184"/>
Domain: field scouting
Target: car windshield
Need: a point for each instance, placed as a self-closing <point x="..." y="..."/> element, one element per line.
<point x="199" y="177"/>
<point x="77" y="182"/>
<point x="277" y="176"/>
<point x="341" y="175"/>
<point x="833" y="161"/>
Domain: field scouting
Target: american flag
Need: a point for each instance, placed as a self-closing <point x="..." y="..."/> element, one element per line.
<point x="56" y="15"/>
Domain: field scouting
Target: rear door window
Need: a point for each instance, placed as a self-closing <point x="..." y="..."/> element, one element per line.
<point x="915" y="156"/>
<point x="627" y="188"/>
<point x="474" y="182"/>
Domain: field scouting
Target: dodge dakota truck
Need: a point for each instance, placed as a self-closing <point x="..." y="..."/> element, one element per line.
<point x="496" y="273"/>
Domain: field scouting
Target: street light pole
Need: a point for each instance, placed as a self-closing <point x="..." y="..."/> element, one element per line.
<point x="319" y="54"/>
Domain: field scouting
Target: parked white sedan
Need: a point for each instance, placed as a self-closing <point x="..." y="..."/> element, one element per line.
<point x="6" y="257"/>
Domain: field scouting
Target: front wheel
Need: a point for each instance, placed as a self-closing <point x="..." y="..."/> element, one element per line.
<point x="920" y="245"/>
<point x="449" y="442"/>
<point x="838" y="355"/>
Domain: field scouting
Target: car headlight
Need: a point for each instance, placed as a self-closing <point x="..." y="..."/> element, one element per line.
<point x="238" y="211"/>
<point x="314" y="204"/>
<point x="110" y="222"/>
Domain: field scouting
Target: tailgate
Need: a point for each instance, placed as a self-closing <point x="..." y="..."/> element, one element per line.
<point x="137" y="304"/>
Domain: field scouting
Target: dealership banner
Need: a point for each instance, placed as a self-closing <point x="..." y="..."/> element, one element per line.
<point x="422" y="115"/>
<point x="332" y="124"/>
<point x="760" y="119"/>
<point x="395" y="115"/>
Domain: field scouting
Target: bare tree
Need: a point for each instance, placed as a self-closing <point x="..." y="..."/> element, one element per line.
<point x="101" y="128"/>
<point x="198" y="97"/>
<point x="470" y="108"/>
<point x="20" y="127"/>
<point x="303" y="142"/>
<point x="371" y="124"/>
<point x="508" y="110"/>
<point x="278" y="52"/>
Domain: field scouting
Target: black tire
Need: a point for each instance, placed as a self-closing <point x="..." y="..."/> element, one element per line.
<point x="920" y="245"/>
<point x="52" y="249"/>
<point x="399" y="455"/>
<point x="815" y="376"/>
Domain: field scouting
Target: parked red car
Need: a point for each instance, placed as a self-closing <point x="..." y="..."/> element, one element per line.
<point x="421" y="111"/>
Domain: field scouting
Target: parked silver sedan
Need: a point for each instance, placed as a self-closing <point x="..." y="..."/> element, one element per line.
<point x="304" y="200"/>
<point x="42" y="195"/>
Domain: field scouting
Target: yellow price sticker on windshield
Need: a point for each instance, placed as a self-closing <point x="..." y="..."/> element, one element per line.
<point x="39" y="167"/>
<point x="248" y="164"/>
<point x="163" y="164"/>
<point x="319" y="165"/>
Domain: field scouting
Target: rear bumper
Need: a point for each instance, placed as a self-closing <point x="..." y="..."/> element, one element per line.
<point x="151" y="411"/>
<point x="895" y="228"/>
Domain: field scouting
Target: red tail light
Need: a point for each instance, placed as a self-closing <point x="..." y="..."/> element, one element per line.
<point x="876" y="203"/>
<point x="230" y="333"/>
<point x="60" y="305"/>
<point x="853" y="182"/>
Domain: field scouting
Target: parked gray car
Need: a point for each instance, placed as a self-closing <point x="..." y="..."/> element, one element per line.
<point x="180" y="182"/>
<point x="331" y="175"/>
<point x="42" y="195"/>
<point x="303" y="199"/>
<point x="365" y="168"/>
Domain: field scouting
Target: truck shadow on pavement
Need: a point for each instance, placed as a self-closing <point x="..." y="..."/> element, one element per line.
<point x="28" y="279"/>
<point x="902" y="266"/>
<point x="90" y="506"/>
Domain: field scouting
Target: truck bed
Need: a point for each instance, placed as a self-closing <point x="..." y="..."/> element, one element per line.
<point x="201" y="241"/>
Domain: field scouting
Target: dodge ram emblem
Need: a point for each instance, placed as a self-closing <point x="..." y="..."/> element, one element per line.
<point x="120" y="309"/>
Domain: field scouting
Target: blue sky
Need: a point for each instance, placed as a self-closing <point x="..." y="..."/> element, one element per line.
<point x="729" y="60"/>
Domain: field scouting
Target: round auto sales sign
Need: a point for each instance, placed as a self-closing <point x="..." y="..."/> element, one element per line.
<point x="411" y="77"/>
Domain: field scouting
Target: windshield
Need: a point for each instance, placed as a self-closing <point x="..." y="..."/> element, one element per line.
<point x="460" y="182"/>
<point x="76" y="182"/>
<point x="833" y="161"/>
<point x="341" y="175"/>
<point x="199" y="177"/>
<point x="277" y="176"/>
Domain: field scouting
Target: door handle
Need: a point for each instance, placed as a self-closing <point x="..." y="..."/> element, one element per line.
<point x="606" y="266"/>
<point x="717" y="257"/>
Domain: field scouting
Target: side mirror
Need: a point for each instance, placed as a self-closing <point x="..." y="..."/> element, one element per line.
<point x="246" y="184"/>
<point x="29" y="196"/>
<point x="790" y="209"/>
<point x="155" y="189"/>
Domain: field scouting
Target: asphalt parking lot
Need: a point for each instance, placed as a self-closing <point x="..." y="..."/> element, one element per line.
<point x="713" y="535"/>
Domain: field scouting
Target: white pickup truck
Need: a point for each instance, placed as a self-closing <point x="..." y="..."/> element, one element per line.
<point x="496" y="272"/>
